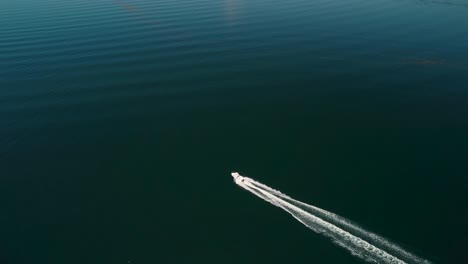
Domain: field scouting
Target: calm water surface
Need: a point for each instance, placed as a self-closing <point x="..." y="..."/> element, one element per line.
<point x="121" y="120"/>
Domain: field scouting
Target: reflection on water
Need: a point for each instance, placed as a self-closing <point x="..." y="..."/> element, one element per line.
<point x="445" y="2"/>
<point x="232" y="11"/>
<point x="423" y="61"/>
<point x="129" y="7"/>
<point x="136" y="12"/>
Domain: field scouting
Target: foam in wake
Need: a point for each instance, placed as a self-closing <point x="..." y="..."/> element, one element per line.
<point x="360" y="242"/>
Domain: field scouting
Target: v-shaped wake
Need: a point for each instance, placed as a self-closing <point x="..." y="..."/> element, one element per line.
<point x="361" y="243"/>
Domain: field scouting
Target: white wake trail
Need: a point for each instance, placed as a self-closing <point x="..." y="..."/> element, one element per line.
<point x="359" y="241"/>
<point x="345" y="224"/>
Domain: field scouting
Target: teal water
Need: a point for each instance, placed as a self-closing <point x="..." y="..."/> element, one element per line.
<point x="121" y="121"/>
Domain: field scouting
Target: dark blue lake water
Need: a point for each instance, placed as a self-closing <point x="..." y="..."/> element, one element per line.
<point x="121" y="120"/>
